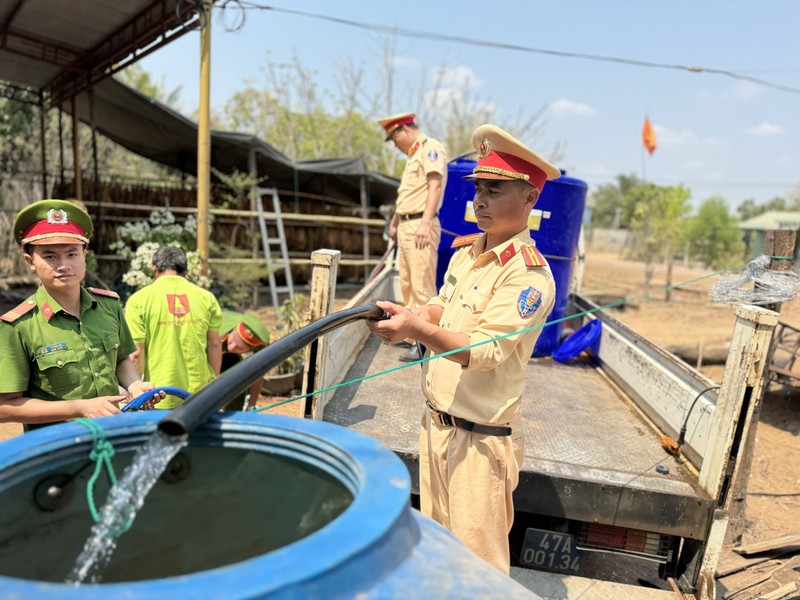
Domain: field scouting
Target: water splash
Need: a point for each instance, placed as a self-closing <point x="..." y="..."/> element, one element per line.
<point x="125" y="498"/>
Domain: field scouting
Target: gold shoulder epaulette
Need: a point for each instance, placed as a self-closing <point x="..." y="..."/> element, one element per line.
<point x="533" y="258"/>
<point x="465" y="240"/>
<point x="16" y="312"/>
<point x="102" y="292"/>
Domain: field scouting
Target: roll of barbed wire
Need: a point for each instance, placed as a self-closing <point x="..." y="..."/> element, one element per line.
<point x="758" y="284"/>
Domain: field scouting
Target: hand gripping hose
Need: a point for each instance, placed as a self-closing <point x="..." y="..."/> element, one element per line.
<point x="137" y="402"/>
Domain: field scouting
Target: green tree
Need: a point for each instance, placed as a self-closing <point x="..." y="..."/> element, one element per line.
<point x="136" y="77"/>
<point x="290" y="113"/>
<point x="749" y="209"/>
<point x="612" y="205"/>
<point x="658" y="224"/>
<point x="713" y="235"/>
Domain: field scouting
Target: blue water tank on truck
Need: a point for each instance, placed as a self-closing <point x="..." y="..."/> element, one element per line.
<point x="555" y="225"/>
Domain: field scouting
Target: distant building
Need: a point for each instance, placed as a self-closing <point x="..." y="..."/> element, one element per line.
<point x="754" y="230"/>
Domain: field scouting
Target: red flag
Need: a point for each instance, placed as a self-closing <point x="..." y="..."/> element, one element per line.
<point x="648" y="135"/>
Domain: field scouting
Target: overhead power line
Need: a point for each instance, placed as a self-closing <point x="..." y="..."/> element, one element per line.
<point x="455" y="39"/>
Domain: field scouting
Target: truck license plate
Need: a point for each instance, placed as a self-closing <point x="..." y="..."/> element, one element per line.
<point x="550" y="550"/>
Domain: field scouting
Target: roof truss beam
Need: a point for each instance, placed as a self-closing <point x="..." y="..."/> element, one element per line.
<point x="158" y="24"/>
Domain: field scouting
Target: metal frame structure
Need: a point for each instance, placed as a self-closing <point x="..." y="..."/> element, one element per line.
<point x="78" y="68"/>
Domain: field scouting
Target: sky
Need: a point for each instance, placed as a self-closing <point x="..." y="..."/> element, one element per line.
<point x="716" y="134"/>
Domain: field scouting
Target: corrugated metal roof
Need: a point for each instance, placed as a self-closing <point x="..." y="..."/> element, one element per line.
<point x="774" y="219"/>
<point x="62" y="46"/>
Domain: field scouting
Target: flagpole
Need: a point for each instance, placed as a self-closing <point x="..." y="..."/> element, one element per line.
<point x="644" y="166"/>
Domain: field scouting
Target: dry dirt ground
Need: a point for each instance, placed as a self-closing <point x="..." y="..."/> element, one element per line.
<point x="689" y="319"/>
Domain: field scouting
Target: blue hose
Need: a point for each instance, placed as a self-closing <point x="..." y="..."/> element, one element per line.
<point x="137" y="402"/>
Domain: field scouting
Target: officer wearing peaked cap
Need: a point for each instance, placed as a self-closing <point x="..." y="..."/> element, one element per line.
<point x="65" y="349"/>
<point x="415" y="224"/>
<point x="496" y="284"/>
<point x="241" y="333"/>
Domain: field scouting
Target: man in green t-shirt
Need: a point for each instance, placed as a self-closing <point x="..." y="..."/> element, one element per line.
<point x="175" y="325"/>
<point x="241" y="333"/>
<point x="65" y="349"/>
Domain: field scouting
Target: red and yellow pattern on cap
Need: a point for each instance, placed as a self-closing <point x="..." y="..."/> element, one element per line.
<point x="390" y="124"/>
<point x="248" y="337"/>
<point x="52" y="222"/>
<point x="501" y="156"/>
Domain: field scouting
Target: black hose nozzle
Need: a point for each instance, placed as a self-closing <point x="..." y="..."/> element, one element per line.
<point x="201" y="405"/>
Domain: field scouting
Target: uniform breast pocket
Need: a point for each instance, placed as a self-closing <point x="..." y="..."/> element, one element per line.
<point x="472" y="305"/>
<point x="111" y="346"/>
<point x="59" y="371"/>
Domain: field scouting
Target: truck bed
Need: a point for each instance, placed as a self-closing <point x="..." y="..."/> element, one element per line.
<point x="588" y="451"/>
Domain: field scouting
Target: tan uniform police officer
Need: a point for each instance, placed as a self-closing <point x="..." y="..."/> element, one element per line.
<point x="415" y="224"/>
<point x="497" y="284"/>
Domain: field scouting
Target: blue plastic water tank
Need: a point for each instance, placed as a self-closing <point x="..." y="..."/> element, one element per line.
<point x="266" y="507"/>
<point x="555" y="226"/>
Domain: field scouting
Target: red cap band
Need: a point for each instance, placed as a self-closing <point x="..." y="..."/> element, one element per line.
<point x="513" y="167"/>
<point x="399" y="122"/>
<point x="43" y="230"/>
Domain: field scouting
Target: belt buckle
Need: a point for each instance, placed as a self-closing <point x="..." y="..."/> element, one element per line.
<point x="437" y="417"/>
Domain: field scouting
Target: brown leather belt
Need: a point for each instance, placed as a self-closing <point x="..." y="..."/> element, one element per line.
<point x="410" y="216"/>
<point x="444" y="419"/>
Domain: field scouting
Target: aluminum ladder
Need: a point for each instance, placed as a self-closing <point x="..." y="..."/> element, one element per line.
<point x="270" y="243"/>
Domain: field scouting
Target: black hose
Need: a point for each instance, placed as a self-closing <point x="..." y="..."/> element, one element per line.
<point x="682" y="434"/>
<point x="234" y="381"/>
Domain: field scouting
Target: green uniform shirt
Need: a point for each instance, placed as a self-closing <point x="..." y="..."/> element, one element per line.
<point x="49" y="354"/>
<point x="172" y="318"/>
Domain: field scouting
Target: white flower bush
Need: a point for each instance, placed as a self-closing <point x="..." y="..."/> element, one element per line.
<point x="139" y="241"/>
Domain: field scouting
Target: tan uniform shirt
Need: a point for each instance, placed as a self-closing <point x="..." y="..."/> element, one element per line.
<point x="487" y="295"/>
<point x="429" y="157"/>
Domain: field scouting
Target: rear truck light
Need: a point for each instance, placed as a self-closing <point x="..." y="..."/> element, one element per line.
<point x="621" y="540"/>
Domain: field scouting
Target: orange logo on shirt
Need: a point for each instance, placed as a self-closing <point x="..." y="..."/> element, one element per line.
<point x="178" y="304"/>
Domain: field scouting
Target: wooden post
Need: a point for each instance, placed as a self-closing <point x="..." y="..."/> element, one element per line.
<point x="777" y="243"/>
<point x="43" y="144"/>
<point x="734" y="418"/>
<point x="325" y="267"/>
<point x="254" y="197"/>
<point x="204" y="138"/>
<point x="365" y="228"/>
<point x="76" y="150"/>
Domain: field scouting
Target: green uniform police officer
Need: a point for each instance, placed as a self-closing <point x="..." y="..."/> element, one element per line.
<point x="65" y="348"/>
<point x="241" y="333"/>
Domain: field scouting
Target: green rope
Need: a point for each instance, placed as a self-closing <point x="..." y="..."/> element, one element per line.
<point x="101" y="454"/>
<point x="489" y="341"/>
<point x="782" y="257"/>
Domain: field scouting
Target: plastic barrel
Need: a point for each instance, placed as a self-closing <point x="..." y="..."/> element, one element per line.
<point x="265" y="507"/>
<point x="561" y="207"/>
<point x="555" y="226"/>
<point x="457" y="194"/>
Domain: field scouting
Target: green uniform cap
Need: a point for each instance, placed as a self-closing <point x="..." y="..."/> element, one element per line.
<point x="255" y="328"/>
<point x="52" y="222"/>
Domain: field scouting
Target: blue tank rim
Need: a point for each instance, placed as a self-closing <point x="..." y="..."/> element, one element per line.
<point x="359" y="533"/>
<point x="563" y="179"/>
